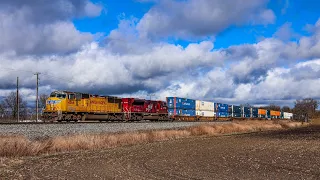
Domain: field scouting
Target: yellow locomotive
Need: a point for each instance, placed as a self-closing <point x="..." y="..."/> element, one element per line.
<point x="74" y="106"/>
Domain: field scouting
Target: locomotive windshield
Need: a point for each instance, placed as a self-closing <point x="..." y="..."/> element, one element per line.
<point x="58" y="95"/>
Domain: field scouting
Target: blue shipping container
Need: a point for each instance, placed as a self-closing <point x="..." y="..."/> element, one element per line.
<point x="181" y="112"/>
<point x="222" y="107"/>
<point x="188" y="112"/>
<point x="181" y="103"/>
<point x="223" y="114"/>
<point x="254" y="110"/>
<point x="172" y="112"/>
<point x="236" y="109"/>
<point x="246" y="110"/>
<point x="236" y="115"/>
<point x="268" y="114"/>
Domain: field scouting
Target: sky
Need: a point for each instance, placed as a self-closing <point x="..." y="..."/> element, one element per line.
<point x="229" y="51"/>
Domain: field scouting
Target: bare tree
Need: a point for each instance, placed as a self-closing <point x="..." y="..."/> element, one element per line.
<point x="272" y="107"/>
<point x="305" y="108"/>
<point x="2" y="111"/>
<point x="286" y="109"/>
<point x="10" y="103"/>
<point x="42" y="100"/>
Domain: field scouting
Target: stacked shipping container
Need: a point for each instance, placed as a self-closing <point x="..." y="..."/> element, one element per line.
<point x="222" y="110"/>
<point x="181" y="106"/>
<point x="287" y="115"/>
<point x="275" y="114"/>
<point x="246" y="112"/>
<point x="254" y="112"/>
<point x="268" y="115"/>
<point x="204" y="108"/>
<point x="262" y="113"/>
<point x="236" y="111"/>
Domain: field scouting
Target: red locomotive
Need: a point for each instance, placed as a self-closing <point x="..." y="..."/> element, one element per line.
<point x="141" y="109"/>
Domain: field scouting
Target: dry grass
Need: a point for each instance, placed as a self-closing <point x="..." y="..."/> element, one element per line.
<point x="20" y="146"/>
<point x="315" y="121"/>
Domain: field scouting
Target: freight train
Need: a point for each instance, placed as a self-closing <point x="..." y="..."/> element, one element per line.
<point x="75" y="106"/>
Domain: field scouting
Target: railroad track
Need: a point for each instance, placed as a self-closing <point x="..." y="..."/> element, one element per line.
<point x="104" y="122"/>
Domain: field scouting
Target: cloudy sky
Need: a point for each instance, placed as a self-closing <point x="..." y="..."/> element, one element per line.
<point x="230" y="51"/>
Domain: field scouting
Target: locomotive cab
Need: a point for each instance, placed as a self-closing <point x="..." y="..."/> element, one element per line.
<point x="56" y="102"/>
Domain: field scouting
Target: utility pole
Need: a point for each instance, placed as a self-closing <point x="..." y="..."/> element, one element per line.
<point x="37" y="96"/>
<point x="18" y="99"/>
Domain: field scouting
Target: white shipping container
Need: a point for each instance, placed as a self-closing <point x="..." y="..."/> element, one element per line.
<point x="287" y="115"/>
<point x="205" y="113"/>
<point x="204" y="106"/>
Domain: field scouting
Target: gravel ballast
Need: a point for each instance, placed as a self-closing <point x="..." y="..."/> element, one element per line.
<point x="34" y="131"/>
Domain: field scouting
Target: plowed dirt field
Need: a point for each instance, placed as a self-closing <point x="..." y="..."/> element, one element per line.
<point x="291" y="154"/>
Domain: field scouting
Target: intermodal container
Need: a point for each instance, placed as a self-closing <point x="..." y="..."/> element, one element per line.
<point x="275" y="113"/>
<point x="205" y="113"/>
<point x="181" y="112"/>
<point x="236" y="115"/>
<point x="173" y="112"/>
<point x="287" y="115"/>
<point x="268" y="114"/>
<point x="246" y="110"/>
<point x="236" y="109"/>
<point x="254" y="111"/>
<point x="181" y="103"/>
<point x="204" y="106"/>
<point x="222" y="114"/>
<point x="262" y="111"/>
<point x="222" y="107"/>
<point x="188" y="112"/>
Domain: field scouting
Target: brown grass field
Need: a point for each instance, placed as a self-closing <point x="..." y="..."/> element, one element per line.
<point x="14" y="146"/>
<point x="272" y="150"/>
<point x="315" y="121"/>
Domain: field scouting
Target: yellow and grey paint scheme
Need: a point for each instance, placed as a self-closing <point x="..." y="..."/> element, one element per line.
<point x="73" y="106"/>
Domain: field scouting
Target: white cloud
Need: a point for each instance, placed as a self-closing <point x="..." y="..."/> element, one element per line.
<point x="285" y="32"/>
<point x="92" y="10"/>
<point x="38" y="27"/>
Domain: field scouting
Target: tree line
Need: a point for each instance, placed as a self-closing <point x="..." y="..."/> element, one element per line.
<point x="9" y="107"/>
